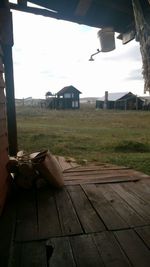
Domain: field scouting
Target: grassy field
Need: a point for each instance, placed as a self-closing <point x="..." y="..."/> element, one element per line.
<point x="119" y="137"/>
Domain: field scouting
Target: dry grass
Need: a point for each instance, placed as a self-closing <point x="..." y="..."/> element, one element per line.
<point x="120" y="137"/>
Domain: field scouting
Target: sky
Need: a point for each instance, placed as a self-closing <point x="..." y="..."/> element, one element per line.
<point x="50" y="54"/>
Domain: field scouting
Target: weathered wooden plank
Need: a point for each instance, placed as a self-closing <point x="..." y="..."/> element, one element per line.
<point x="3" y="133"/>
<point x="4" y="144"/>
<point x="98" y="181"/>
<point x="6" y="26"/>
<point x="72" y="162"/>
<point x="78" y="170"/>
<point x="135" y="249"/>
<point x="104" y="173"/>
<point x="62" y="253"/>
<point x="4" y="157"/>
<point x="110" y="251"/>
<point x="26" y="222"/>
<point x="2" y="111"/>
<point x="1" y="52"/>
<point x="5" y="186"/>
<point x="145" y="183"/>
<point x="74" y="165"/>
<point x="109" y="177"/>
<point x="82" y="8"/>
<point x="140" y="189"/>
<point x="128" y="36"/>
<point x="2" y="83"/>
<point x="68" y="218"/>
<point x="7" y="223"/>
<point x="141" y="207"/>
<point x="3" y="162"/>
<point x="105" y="210"/>
<point x="11" y="112"/>
<point x="109" y="174"/>
<point x="48" y="221"/>
<point x="1" y="63"/>
<point x="3" y="129"/>
<point x="95" y="168"/>
<point x="2" y="96"/>
<point x="124" y="210"/>
<point x="144" y="233"/>
<point x="87" y="215"/>
<point x="105" y="177"/>
<point x="63" y="163"/>
<point x="85" y="251"/>
<point x="29" y="254"/>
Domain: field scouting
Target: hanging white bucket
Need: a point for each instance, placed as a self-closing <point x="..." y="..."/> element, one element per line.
<point x="107" y="39"/>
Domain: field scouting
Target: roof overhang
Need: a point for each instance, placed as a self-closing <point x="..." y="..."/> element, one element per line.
<point x="95" y="13"/>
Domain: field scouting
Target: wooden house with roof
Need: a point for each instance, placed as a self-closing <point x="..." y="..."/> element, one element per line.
<point x="90" y="222"/>
<point x="120" y="100"/>
<point x="67" y="98"/>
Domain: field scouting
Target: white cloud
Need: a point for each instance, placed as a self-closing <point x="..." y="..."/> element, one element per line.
<point x="50" y="54"/>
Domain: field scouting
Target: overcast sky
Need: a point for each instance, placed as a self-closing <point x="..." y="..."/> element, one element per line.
<point x="50" y="54"/>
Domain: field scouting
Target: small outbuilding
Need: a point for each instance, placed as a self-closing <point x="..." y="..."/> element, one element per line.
<point x="123" y="100"/>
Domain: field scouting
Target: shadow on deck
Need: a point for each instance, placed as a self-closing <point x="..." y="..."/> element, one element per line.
<point x="100" y="218"/>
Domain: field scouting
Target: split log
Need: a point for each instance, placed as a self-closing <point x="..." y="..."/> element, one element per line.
<point x="25" y="176"/>
<point x="12" y="165"/>
<point x="39" y="168"/>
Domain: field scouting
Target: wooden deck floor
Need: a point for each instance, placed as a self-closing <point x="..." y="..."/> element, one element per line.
<point x="100" y="218"/>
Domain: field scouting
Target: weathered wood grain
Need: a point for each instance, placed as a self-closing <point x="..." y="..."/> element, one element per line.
<point x="26" y="221"/>
<point x="7" y="228"/>
<point x="31" y="254"/>
<point x="105" y="210"/>
<point x="1" y="63"/>
<point x="62" y="253"/>
<point x="63" y="163"/>
<point x="141" y="207"/>
<point x="75" y="219"/>
<point x="85" y="251"/>
<point x="110" y="251"/>
<point x="4" y="183"/>
<point x="48" y="220"/>
<point x="102" y="167"/>
<point x="68" y="218"/>
<point x="103" y="173"/>
<point x="99" y="181"/>
<point x="144" y="233"/>
<point x="2" y="83"/>
<point x="135" y="249"/>
<point x="142" y="190"/>
<point x="120" y="205"/>
<point x="86" y="213"/>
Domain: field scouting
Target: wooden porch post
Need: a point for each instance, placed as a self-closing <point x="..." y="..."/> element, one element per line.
<point x="143" y="35"/>
<point x="7" y="43"/>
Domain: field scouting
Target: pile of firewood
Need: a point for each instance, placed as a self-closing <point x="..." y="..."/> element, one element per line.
<point x="36" y="169"/>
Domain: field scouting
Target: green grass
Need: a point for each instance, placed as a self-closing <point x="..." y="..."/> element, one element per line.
<point x="119" y="137"/>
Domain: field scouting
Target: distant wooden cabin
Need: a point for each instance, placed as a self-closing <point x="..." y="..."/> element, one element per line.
<point x="67" y="98"/>
<point x="124" y="101"/>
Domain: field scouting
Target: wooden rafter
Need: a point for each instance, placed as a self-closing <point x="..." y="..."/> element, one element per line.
<point x="94" y="13"/>
<point x="36" y="11"/>
<point x="114" y="6"/>
<point x="83" y="7"/>
<point x="22" y="2"/>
